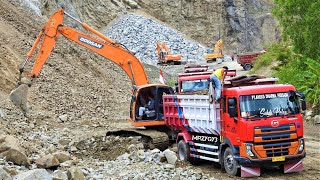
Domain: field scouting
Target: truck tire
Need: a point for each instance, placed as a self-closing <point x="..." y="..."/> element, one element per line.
<point x="210" y="60"/>
<point x="184" y="153"/>
<point x="229" y="163"/>
<point x="247" y="67"/>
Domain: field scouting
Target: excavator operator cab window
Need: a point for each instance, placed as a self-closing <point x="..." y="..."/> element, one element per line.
<point x="162" y="91"/>
<point x="146" y="104"/>
<point x="144" y="94"/>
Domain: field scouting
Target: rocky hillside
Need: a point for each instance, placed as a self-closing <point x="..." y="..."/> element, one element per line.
<point x="79" y="95"/>
<point x="245" y="25"/>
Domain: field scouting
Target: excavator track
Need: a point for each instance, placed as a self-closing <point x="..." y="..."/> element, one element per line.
<point x="150" y="138"/>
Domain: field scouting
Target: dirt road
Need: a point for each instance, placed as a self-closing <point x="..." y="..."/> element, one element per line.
<point x="311" y="165"/>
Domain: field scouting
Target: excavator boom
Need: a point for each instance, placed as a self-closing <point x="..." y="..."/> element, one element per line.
<point x="103" y="46"/>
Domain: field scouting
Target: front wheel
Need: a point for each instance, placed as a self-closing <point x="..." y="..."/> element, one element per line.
<point x="247" y="67"/>
<point x="229" y="163"/>
<point x="184" y="153"/>
<point x="211" y="60"/>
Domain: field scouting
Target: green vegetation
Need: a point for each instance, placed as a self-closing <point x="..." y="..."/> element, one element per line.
<point x="297" y="59"/>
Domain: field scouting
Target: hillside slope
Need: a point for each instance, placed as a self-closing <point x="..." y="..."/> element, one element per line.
<point x="245" y="25"/>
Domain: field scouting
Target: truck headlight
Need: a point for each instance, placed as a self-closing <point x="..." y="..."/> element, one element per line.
<point x="248" y="150"/>
<point x="301" y="147"/>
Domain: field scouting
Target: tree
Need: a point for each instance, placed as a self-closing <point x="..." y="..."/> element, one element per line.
<point x="300" y="21"/>
<point x="297" y="59"/>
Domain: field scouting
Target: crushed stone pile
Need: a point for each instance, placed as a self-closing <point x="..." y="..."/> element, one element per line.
<point x="140" y="35"/>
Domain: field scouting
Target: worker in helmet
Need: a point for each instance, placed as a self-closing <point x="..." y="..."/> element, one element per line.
<point x="216" y="78"/>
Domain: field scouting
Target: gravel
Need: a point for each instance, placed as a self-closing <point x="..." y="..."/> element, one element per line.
<point x="140" y="35"/>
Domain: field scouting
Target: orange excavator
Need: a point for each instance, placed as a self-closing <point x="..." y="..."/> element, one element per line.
<point x="165" y="56"/>
<point x="154" y="131"/>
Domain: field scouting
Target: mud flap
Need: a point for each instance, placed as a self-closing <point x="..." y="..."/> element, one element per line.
<point x="250" y="171"/>
<point x="296" y="166"/>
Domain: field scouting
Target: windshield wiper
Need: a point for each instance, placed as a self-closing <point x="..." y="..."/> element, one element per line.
<point x="254" y="117"/>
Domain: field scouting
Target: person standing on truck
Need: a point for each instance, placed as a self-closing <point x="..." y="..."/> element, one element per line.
<point x="216" y="78"/>
<point x="148" y="108"/>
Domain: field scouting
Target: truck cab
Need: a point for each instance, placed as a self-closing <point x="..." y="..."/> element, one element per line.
<point x="194" y="79"/>
<point x="263" y="124"/>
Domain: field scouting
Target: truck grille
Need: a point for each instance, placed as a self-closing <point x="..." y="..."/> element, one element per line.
<point x="275" y="141"/>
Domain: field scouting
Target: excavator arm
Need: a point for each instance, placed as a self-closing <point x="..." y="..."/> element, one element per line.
<point x="103" y="46"/>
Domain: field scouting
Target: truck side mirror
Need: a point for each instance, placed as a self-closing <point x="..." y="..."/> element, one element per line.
<point x="303" y="105"/>
<point x="303" y="101"/>
<point x="232" y="108"/>
<point x="176" y="87"/>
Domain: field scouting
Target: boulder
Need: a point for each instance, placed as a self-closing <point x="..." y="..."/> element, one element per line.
<point x="170" y="156"/>
<point x="62" y="156"/>
<point x="73" y="149"/>
<point x="133" y="4"/>
<point x="11" y="170"/>
<point x="1" y="113"/>
<point x="75" y="174"/>
<point x="10" y="148"/>
<point x="317" y="119"/>
<point x="59" y="175"/>
<point x="47" y="161"/>
<point x="4" y="175"/>
<point x="132" y="148"/>
<point x="63" y="118"/>
<point x="35" y="174"/>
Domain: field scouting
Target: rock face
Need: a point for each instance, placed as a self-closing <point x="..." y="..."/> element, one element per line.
<point x="47" y="161"/>
<point x="243" y="24"/>
<point x="10" y="148"/>
<point x="35" y="174"/>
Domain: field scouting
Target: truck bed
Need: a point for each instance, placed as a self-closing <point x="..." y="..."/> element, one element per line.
<point x="192" y="113"/>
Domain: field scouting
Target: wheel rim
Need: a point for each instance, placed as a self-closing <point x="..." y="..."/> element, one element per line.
<point x="247" y="67"/>
<point x="229" y="162"/>
<point x="181" y="155"/>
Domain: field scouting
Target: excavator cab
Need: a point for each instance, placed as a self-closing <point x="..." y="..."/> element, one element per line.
<point x="139" y="102"/>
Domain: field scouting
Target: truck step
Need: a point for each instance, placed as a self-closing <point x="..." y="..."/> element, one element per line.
<point x="203" y="145"/>
<point x="205" y="158"/>
<point x="204" y="151"/>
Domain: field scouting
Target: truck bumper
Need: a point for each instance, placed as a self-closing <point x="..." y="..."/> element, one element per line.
<point x="267" y="162"/>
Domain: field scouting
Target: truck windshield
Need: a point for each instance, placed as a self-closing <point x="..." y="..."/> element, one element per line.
<point x="267" y="105"/>
<point x="194" y="85"/>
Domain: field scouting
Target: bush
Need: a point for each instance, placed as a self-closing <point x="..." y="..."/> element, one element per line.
<point x="291" y="68"/>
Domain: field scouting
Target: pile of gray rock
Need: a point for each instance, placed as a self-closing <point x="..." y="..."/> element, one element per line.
<point x="135" y="163"/>
<point x="138" y="163"/>
<point x="311" y="117"/>
<point x="140" y="35"/>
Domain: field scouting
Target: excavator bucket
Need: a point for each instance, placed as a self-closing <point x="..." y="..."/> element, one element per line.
<point x="19" y="98"/>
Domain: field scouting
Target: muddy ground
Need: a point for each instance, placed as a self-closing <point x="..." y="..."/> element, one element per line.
<point x="92" y="93"/>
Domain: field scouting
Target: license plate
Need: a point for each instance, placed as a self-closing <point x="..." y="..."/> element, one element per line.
<point x="280" y="158"/>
